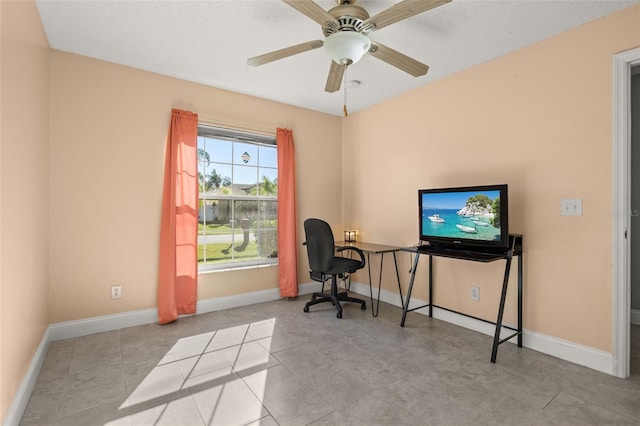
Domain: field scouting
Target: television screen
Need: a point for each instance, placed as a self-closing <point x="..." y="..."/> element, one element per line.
<point x="466" y="216"/>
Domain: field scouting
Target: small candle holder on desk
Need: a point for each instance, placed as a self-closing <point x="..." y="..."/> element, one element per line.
<point x="350" y="236"/>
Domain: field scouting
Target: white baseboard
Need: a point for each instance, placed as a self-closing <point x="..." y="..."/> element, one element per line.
<point x="635" y="316"/>
<point x="573" y="352"/>
<point x="227" y="302"/>
<point x="559" y="348"/>
<point x="85" y="327"/>
<point x="21" y="399"/>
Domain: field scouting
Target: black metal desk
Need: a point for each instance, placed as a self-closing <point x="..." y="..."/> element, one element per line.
<point x="514" y="250"/>
<point x="368" y="249"/>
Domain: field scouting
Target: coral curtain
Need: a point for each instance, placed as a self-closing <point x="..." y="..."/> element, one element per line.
<point x="287" y="223"/>
<point x="178" y="268"/>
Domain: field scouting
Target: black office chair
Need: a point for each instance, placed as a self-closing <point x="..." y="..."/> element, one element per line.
<point x="324" y="264"/>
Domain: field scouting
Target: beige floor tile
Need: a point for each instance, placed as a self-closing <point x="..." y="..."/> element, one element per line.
<point x="272" y="364"/>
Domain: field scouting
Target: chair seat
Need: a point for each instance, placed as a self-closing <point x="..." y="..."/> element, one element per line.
<point x="340" y="265"/>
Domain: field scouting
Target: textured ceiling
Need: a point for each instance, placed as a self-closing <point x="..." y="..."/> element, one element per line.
<point x="208" y="42"/>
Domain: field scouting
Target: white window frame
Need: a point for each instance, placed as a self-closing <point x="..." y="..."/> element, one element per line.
<point x="232" y="135"/>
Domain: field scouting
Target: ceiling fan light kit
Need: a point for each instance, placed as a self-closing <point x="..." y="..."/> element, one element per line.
<point x="347" y="47"/>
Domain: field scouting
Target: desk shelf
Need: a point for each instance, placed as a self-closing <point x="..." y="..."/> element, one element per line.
<point x="473" y="255"/>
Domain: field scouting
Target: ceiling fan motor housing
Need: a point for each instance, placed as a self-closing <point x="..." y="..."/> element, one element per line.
<point x="350" y="18"/>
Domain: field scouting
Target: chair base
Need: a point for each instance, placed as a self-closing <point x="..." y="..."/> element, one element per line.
<point x="334" y="298"/>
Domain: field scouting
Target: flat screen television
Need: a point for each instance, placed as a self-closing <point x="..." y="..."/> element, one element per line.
<point x="465" y="217"/>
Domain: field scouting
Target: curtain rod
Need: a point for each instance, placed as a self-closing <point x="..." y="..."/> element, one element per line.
<point x="235" y="126"/>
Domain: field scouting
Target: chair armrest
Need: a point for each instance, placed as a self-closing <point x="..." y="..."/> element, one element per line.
<point x="357" y="250"/>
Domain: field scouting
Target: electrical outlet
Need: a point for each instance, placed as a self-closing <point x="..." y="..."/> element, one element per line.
<point x="116" y="291"/>
<point x="475" y="293"/>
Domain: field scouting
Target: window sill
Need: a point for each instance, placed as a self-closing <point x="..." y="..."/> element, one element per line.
<point x="228" y="268"/>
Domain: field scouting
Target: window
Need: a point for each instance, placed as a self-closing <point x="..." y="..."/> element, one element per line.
<point x="238" y="206"/>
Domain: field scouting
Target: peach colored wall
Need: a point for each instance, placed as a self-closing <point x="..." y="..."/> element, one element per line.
<point x="538" y="119"/>
<point x="108" y="131"/>
<point x="23" y="193"/>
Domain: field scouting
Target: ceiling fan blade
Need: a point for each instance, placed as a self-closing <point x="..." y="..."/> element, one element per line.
<point x="334" y="80"/>
<point x="403" y="10"/>
<point x="312" y="10"/>
<point x="284" y="53"/>
<point x="397" y="59"/>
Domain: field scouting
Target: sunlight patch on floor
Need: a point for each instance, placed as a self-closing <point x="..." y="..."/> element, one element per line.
<point x="206" y="370"/>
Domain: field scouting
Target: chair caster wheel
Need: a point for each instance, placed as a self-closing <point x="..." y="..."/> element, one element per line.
<point x="339" y="315"/>
<point x="306" y="309"/>
<point x="363" y="307"/>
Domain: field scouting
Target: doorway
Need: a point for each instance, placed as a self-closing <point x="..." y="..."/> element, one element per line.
<point x="634" y="339"/>
<point x="623" y="64"/>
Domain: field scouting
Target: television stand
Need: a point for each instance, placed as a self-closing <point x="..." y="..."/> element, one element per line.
<point x="473" y="255"/>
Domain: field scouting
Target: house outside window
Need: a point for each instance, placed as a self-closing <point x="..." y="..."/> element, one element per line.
<point x="238" y="206"/>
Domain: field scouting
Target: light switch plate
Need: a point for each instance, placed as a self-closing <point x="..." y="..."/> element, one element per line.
<point x="571" y="207"/>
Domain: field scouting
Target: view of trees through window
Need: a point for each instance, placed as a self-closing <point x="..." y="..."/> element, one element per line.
<point x="238" y="184"/>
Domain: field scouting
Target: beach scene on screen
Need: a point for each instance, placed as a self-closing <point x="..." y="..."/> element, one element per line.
<point x="472" y="215"/>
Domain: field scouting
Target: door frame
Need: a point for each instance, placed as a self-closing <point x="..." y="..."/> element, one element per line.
<point x="621" y="212"/>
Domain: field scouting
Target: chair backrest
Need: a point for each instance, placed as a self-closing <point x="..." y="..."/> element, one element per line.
<point x="320" y="244"/>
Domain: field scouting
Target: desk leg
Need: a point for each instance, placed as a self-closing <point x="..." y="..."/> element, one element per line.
<point x="411" y="280"/>
<point x="370" y="284"/>
<point x="430" y="286"/>
<point x="520" y="300"/>
<point x="375" y="311"/>
<point x="503" y="297"/>
<point x="395" y="261"/>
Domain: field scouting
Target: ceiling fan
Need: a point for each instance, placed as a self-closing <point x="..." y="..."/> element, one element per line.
<point x="346" y="28"/>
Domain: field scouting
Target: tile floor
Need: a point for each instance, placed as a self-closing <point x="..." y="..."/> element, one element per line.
<point x="272" y="364"/>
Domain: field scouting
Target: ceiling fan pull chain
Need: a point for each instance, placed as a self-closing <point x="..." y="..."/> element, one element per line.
<point x="344" y="83"/>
